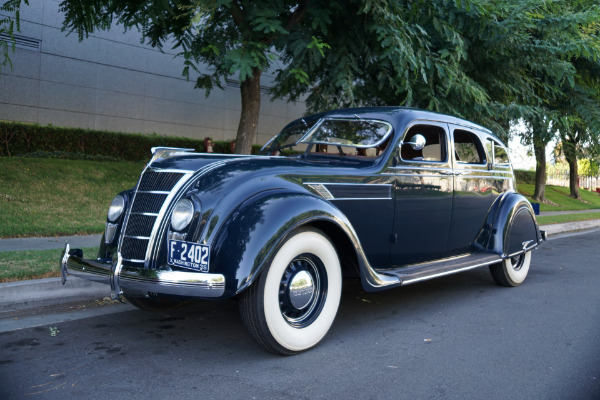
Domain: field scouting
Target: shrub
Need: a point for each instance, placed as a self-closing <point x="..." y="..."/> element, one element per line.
<point x="526" y="177"/>
<point x="36" y="140"/>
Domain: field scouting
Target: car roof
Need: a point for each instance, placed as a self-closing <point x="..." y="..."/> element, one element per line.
<point x="396" y="115"/>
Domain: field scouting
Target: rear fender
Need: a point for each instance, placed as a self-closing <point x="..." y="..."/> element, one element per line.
<point x="515" y="229"/>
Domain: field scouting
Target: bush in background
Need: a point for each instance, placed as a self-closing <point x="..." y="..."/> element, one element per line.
<point x="526" y="177"/>
<point x="56" y="142"/>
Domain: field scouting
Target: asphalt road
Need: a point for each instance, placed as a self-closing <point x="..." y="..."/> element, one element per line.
<point x="458" y="337"/>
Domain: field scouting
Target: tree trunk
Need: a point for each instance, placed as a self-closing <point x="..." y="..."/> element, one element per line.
<point x="570" y="150"/>
<point x="248" y="126"/>
<point x="573" y="178"/>
<point x="539" y="148"/>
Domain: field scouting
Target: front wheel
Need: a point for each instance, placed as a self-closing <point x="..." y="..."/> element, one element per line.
<point x="511" y="271"/>
<point x="293" y="303"/>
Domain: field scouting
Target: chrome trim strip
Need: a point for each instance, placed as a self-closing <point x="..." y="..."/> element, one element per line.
<point x="348" y="184"/>
<point x="162" y="149"/>
<point x="159" y="191"/>
<point x="116" y="291"/>
<point x="137" y="237"/>
<point x="533" y="246"/>
<point x="440" y="175"/>
<point x="145" y="213"/>
<point x="174" y="171"/>
<point x="63" y="264"/>
<point x="321" y="189"/>
<point x="421" y="168"/>
<point x="134" y="260"/>
<point x="483" y="177"/>
<point x="424" y="278"/>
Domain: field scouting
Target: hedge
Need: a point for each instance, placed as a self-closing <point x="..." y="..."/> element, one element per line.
<point x="24" y="139"/>
<point x="526" y="177"/>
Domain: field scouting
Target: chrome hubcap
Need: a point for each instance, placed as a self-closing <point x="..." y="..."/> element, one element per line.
<point x="517" y="262"/>
<point x="302" y="290"/>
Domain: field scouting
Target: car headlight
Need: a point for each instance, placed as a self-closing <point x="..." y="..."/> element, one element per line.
<point x="116" y="208"/>
<point x="182" y="214"/>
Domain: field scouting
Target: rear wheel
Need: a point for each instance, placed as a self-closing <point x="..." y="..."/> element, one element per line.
<point x="511" y="271"/>
<point x="293" y="303"/>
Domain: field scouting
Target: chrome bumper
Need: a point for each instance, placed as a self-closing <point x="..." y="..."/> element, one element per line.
<point x="123" y="278"/>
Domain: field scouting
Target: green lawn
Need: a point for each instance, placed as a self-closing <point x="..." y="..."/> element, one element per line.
<point x="560" y="195"/>
<point x="33" y="264"/>
<point x="51" y="197"/>
<point x="556" y="219"/>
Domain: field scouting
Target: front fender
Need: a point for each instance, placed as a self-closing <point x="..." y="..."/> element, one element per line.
<point x="515" y="229"/>
<point x="249" y="238"/>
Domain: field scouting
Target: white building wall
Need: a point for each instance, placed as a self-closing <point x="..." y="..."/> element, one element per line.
<point x="110" y="81"/>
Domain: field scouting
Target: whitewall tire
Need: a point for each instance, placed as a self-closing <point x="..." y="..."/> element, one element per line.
<point x="511" y="271"/>
<point x="293" y="303"/>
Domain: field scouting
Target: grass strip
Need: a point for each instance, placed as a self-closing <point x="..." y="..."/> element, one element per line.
<point x="557" y="219"/>
<point x="34" y="264"/>
<point x="51" y="197"/>
<point x="560" y="196"/>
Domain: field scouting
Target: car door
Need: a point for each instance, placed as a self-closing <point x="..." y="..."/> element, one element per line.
<point x="422" y="195"/>
<point x="473" y="189"/>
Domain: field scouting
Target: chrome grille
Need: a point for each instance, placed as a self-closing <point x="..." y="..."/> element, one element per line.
<point x="152" y="191"/>
<point x="148" y="202"/>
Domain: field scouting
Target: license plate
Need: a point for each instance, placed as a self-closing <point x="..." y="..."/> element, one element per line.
<point x="188" y="255"/>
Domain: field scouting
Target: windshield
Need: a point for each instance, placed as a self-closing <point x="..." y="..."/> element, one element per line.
<point x="288" y="139"/>
<point x="335" y="136"/>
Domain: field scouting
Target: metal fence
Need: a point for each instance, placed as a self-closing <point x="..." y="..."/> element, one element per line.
<point x="562" y="179"/>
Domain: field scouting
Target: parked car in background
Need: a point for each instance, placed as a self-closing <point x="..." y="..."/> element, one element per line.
<point x="390" y="195"/>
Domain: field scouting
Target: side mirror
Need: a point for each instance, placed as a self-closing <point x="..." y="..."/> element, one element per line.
<point x="417" y="142"/>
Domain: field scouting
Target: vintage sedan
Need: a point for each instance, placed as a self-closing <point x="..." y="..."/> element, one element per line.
<point x="390" y="195"/>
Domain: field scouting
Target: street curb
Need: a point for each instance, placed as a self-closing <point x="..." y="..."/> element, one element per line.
<point x="554" y="229"/>
<point x="22" y="295"/>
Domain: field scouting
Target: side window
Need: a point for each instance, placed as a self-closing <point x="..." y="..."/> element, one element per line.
<point x="435" y="144"/>
<point x="497" y="152"/>
<point x="500" y="155"/>
<point x="468" y="148"/>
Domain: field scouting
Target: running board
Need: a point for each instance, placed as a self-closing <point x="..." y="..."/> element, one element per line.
<point x="425" y="271"/>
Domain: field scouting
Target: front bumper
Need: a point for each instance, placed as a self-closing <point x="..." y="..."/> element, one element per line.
<point x="124" y="279"/>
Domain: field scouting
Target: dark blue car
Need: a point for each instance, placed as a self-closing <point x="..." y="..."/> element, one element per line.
<point x="390" y="195"/>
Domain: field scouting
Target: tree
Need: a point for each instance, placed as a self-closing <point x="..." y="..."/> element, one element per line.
<point x="242" y="37"/>
<point x="540" y="131"/>
<point x="10" y="22"/>
<point x="337" y="53"/>
<point x="490" y="62"/>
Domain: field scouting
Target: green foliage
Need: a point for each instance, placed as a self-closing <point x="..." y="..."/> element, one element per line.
<point x="524" y="177"/>
<point x="10" y="23"/>
<point x="584" y="167"/>
<point x="76" y="143"/>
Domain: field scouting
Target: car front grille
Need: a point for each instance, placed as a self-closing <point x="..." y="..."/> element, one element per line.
<point x="151" y="193"/>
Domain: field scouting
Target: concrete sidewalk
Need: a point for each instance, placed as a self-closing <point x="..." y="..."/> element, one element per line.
<point x="16" y="296"/>
<point x="46" y="243"/>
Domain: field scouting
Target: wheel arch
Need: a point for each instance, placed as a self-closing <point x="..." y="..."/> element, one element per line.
<point x="515" y="229"/>
<point x="253" y="233"/>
